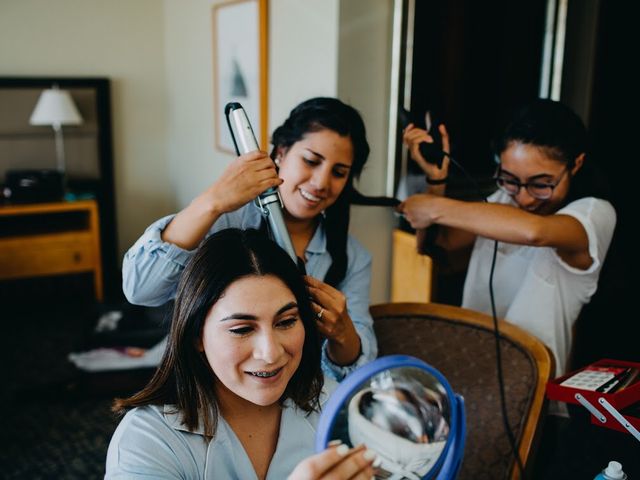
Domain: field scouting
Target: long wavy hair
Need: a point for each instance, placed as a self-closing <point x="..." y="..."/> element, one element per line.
<point x="326" y="113"/>
<point x="184" y="378"/>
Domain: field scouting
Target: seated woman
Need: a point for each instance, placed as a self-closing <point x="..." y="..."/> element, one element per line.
<point x="240" y="386"/>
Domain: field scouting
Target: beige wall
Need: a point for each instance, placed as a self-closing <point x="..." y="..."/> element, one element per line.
<point x="363" y="81"/>
<point x="159" y="58"/>
<point x="194" y="162"/>
<point x="118" y="39"/>
<point x="303" y="49"/>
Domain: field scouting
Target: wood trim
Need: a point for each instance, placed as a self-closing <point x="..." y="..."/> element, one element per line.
<point x="263" y="9"/>
<point x="411" y="272"/>
<point x="217" y="128"/>
<point x="49" y="207"/>
<point x="540" y="353"/>
<point x="94" y="226"/>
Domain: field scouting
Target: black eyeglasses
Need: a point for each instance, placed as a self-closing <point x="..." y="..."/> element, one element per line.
<point x="537" y="189"/>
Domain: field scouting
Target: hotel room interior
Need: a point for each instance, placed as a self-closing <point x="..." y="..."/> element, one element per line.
<point x="142" y="76"/>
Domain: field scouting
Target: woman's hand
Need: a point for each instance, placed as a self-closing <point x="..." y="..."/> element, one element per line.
<point x="413" y="136"/>
<point x="336" y="463"/>
<point x="243" y="180"/>
<point x="419" y="210"/>
<point x="334" y="322"/>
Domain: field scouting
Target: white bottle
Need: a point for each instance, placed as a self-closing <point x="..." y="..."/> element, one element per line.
<point x="612" y="472"/>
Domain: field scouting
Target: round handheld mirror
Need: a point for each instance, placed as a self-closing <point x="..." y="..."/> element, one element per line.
<point x="405" y="411"/>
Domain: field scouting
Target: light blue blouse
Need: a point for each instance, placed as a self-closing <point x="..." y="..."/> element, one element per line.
<point x="151" y="270"/>
<point x="152" y="442"/>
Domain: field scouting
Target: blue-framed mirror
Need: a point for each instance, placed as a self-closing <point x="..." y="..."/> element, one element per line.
<point x="405" y="411"/>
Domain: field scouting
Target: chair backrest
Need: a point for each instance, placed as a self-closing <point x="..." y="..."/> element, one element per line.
<point x="460" y="343"/>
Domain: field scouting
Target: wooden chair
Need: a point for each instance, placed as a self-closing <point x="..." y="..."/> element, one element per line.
<point x="411" y="272"/>
<point x="460" y="343"/>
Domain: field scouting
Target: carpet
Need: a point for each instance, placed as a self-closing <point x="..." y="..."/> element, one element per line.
<point x="56" y="421"/>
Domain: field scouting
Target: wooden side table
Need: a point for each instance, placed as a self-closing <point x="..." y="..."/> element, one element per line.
<point x="54" y="238"/>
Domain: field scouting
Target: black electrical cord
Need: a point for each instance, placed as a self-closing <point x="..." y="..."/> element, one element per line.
<point x="496" y="332"/>
<point x="503" y="402"/>
<point x="434" y="150"/>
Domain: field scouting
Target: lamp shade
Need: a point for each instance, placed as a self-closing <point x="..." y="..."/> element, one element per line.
<point x="55" y="107"/>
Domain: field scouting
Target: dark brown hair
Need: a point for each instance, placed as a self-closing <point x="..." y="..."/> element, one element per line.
<point x="184" y="378"/>
<point x="561" y="135"/>
<point x="326" y="113"/>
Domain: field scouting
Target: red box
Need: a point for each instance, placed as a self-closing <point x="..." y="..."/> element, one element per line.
<point x="624" y="399"/>
<point x="631" y="413"/>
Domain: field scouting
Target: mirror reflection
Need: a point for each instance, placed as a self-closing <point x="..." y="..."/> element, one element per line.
<point x="402" y="414"/>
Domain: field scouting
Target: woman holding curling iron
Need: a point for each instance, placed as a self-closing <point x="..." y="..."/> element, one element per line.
<point x="318" y="151"/>
<point x="552" y="234"/>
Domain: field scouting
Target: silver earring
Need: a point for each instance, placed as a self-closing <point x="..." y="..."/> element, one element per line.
<point x="277" y="161"/>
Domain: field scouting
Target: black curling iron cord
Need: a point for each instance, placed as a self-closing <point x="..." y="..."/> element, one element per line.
<point x="503" y="401"/>
<point x="431" y="234"/>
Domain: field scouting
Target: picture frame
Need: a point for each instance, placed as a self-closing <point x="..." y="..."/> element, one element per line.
<point x="240" y="66"/>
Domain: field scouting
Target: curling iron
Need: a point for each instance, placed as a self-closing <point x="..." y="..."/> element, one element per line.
<point x="269" y="201"/>
<point x="432" y="152"/>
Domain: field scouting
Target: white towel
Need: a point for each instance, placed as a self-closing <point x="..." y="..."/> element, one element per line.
<point x="102" y="359"/>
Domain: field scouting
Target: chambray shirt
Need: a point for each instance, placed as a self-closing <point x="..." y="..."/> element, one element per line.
<point x="151" y="270"/>
<point x="152" y="442"/>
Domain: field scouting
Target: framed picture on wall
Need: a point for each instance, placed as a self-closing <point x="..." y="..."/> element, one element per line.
<point x="240" y="66"/>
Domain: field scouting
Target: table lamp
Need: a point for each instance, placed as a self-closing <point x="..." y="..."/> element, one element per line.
<point x="55" y="107"/>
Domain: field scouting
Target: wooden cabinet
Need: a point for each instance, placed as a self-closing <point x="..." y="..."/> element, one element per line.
<point x="51" y="239"/>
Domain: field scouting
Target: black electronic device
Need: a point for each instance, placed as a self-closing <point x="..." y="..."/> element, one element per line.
<point x="33" y="185"/>
<point x="432" y="152"/>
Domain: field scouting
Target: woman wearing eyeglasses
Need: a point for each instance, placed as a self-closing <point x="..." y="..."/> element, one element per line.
<point x="552" y="237"/>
